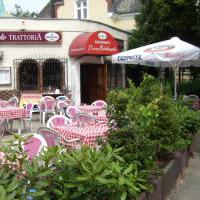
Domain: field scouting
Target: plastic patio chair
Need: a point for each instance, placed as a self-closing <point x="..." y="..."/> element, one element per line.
<point x="53" y="138"/>
<point x="60" y="105"/>
<point x="192" y="101"/>
<point x="84" y="118"/>
<point x="3" y="124"/>
<point x="62" y="98"/>
<point x="34" y="145"/>
<point x="72" y="111"/>
<point x="29" y="111"/>
<point x="99" y="103"/>
<point x="58" y="120"/>
<point x="47" y="107"/>
<point x="45" y="98"/>
<point x="14" y="101"/>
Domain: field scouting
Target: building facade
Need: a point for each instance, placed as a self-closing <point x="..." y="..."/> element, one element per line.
<point x="73" y="56"/>
<point x="119" y="14"/>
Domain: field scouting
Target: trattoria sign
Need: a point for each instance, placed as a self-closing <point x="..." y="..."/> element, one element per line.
<point x="31" y="37"/>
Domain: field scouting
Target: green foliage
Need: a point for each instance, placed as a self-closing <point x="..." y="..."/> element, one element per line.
<point x="60" y="174"/>
<point x="148" y="123"/>
<point x="160" y="20"/>
<point x="91" y="174"/>
<point x="20" y="13"/>
<point x="190" y="121"/>
<point x="187" y="88"/>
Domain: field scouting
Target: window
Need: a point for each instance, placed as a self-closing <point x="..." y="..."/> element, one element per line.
<point x="28" y="75"/>
<point x="5" y="76"/>
<point x="81" y="9"/>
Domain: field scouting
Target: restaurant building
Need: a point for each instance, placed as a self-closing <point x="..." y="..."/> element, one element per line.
<point x="72" y="56"/>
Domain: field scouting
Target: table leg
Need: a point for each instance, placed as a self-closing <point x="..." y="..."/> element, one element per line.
<point x="20" y="126"/>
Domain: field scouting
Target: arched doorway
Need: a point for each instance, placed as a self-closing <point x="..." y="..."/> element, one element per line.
<point x="53" y="74"/>
<point x="28" y="75"/>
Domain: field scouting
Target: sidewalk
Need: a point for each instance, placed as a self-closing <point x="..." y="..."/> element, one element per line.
<point x="188" y="187"/>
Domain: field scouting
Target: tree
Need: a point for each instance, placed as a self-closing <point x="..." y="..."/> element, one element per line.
<point x="162" y="19"/>
<point x="20" y="13"/>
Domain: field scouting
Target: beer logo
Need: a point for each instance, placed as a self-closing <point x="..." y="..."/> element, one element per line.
<point x="102" y="36"/>
<point x="52" y="37"/>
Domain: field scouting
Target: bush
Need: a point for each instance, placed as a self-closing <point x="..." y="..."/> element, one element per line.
<point x="149" y="124"/>
<point x="79" y="174"/>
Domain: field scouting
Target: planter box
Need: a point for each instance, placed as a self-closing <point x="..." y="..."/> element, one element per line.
<point x="164" y="184"/>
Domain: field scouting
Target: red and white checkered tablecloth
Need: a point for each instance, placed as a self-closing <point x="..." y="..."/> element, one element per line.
<point x="90" y="109"/>
<point x="4" y="103"/>
<point x="30" y="98"/>
<point x="87" y="134"/>
<point x="10" y="112"/>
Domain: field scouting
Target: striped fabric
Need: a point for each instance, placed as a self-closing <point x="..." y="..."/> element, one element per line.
<point x="10" y="112"/>
<point x="88" y="134"/>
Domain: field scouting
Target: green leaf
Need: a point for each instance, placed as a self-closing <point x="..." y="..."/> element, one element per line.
<point x="124" y="195"/>
<point x="37" y="194"/>
<point x="128" y="170"/>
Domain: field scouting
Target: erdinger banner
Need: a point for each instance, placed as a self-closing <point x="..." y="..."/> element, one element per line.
<point x="31" y="37"/>
<point x="172" y="53"/>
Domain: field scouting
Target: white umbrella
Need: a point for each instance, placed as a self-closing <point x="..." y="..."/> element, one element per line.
<point x="169" y="53"/>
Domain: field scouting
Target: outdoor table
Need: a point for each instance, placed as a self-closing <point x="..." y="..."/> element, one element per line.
<point x="101" y="118"/>
<point x="87" y="134"/>
<point x="91" y="109"/>
<point x="4" y="103"/>
<point x="30" y="98"/>
<point x="12" y="113"/>
<point x="52" y="94"/>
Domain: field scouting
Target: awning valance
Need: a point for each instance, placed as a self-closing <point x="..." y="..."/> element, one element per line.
<point x="96" y="43"/>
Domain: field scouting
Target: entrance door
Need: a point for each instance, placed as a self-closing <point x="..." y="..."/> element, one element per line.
<point x="93" y="82"/>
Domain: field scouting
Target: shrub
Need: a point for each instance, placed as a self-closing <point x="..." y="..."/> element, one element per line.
<point x="79" y="174"/>
<point x="149" y="126"/>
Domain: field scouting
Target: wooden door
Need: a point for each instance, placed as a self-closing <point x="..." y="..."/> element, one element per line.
<point x="93" y="82"/>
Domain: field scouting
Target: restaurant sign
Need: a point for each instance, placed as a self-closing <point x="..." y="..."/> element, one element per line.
<point x="95" y="43"/>
<point x="31" y="37"/>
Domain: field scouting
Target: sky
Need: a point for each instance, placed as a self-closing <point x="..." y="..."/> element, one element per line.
<point x="26" y="5"/>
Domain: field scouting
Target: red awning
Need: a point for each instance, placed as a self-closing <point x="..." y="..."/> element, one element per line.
<point x="96" y="43"/>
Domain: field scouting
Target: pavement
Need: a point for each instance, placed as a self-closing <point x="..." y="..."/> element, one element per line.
<point x="35" y="125"/>
<point x="188" y="187"/>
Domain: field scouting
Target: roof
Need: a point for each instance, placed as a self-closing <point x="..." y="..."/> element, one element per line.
<point x="126" y="6"/>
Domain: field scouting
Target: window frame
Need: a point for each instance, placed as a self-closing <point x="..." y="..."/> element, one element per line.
<point x="81" y="8"/>
<point x="9" y="81"/>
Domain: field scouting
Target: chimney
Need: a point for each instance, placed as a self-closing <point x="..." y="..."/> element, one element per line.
<point x="109" y="5"/>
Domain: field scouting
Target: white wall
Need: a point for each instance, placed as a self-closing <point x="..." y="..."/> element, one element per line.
<point x="69" y="28"/>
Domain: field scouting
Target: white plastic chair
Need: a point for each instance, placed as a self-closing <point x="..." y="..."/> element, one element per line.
<point x="84" y="118"/>
<point x="53" y="138"/>
<point x="29" y="112"/>
<point x="62" y="98"/>
<point x="72" y="111"/>
<point x="99" y="103"/>
<point x="60" y="106"/>
<point x="47" y="107"/>
<point x="45" y="98"/>
<point x="34" y="145"/>
<point x="3" y="124"/>
<point x="58" y="120"/>
<point x="14" y="101"/>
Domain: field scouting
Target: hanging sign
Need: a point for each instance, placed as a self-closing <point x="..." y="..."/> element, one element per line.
<point x="31" y="37"/>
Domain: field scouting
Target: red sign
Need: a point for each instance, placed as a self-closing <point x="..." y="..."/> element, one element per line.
<point x="97" y="43"/>
<point x="31" y="37"/>
<point x="159" y="48"/>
